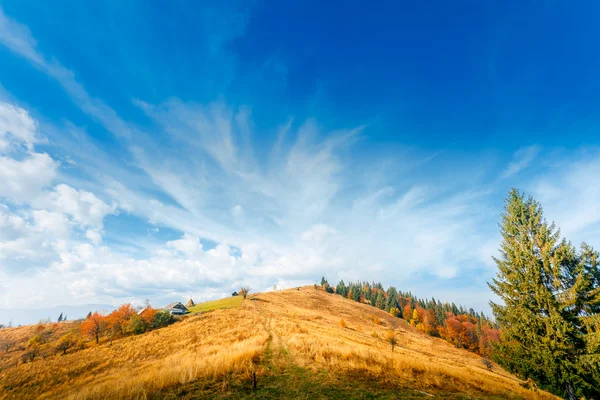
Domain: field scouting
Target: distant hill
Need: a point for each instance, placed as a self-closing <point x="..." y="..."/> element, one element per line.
<point x="298" y="343"/>
<point x="19" y="316"/>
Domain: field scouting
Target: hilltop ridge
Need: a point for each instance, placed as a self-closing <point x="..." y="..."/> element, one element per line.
<point x="297" y="343"/>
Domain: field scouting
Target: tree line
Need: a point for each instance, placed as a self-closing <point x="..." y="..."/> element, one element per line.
<point x="123" y="321"/>
<point x="462" y="327"/>
<point x="546" y="327"/>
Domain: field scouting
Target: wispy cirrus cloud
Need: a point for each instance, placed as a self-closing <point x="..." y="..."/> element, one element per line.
<point x="521" y="160"/>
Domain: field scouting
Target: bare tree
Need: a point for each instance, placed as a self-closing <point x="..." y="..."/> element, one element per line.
<point x="487" y="363"/>
<point x="6" y="345"/>
<point x="244" y="291"/>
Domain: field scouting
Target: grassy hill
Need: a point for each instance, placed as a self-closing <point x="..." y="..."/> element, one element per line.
<point x="298" y="343"/>
<point x="228" y="302"/>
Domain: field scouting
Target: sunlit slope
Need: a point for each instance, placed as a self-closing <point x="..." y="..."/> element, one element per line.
<point x="228" y="302"/>
<point x="292" y="341"/>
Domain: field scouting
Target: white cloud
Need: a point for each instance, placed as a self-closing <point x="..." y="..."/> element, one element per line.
<point x="521" y="160"/>
<point x="569" y="194"/>
<point x="52" y="224"/>
<point x="189" y="245"/>
<point x="236" y="211"/>
<point x="84" y="207"/>
<point x="23" y="180"/>
<point x="94" y="236"/>
<point x="16" y="126"/>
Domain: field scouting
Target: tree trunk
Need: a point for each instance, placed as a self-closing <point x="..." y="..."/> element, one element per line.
<point x="570" y="392"/>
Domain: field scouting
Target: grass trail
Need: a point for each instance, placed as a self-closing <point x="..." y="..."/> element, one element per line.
<point x="279" y="377"/>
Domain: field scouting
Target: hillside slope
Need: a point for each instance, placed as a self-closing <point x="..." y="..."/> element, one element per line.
<point x="293" y="341"/>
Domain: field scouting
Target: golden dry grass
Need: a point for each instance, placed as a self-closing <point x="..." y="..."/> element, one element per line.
<point x="286" y="332"/>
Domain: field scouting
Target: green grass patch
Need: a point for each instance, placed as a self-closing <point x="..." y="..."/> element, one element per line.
<point x="228" y="302"/>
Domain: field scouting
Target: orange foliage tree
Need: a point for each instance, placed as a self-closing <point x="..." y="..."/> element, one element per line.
<point x="118" y="319"/>
<point x="94" y="326"/>
<point x="407" y="313"/>
<point x="487" y="338"/>
<point x="461" y="331"/>
<point x="148" y="315"/>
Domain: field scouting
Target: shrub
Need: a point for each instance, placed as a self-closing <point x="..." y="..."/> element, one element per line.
<point x="376" y="320"/>
<point x="136" y="325"/>
<point x="65" y="342"/>
<point x="162" y="318"/>
<point x="6" y="345"/>
<point x="390" y="337"/>
<point x="487" y="363"/>
<point x="343" y="323"/>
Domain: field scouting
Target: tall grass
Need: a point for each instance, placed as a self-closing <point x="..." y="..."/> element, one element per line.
<point x="304" y="325"/>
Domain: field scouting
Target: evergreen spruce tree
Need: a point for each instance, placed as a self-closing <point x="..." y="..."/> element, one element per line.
<point x="549" y="319"/>
<point x="392" y="298"/>
<point x="356" y="293"/>
<point x="341" y="288"/>
<point x="380" y="301"/>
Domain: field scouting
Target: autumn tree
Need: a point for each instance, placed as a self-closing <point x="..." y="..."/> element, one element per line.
<point x="407" y="313"/>
<point x="94" y="326"/>
<point x="390" y="337"/>
<point x="148" y="316"/>
<point x="119" y="318"/>
<point x="415" y="320"/>
<point x="65" y="342"/>
<point x="549" y="315"/>
<point x="33" y="347"/>
<point x="488" y="337"/>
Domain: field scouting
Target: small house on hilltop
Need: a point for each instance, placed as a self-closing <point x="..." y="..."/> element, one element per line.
<point x="234" y="294"/>
<point x="176" y="308"/>
<point x="190" y="303"/>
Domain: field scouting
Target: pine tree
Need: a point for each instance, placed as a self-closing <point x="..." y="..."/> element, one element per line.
<point x="341" y="288"/>
<point x="392" y="298"/>
<point x="548" y="293"/>
<point x="380" y="301"/>
<point x="60" y="317"/>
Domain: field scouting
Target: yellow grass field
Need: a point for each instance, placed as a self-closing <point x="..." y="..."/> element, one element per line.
<point x="293" y="341"/>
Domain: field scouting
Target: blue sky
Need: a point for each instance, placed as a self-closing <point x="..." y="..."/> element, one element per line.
<point x="168" y="152"/>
